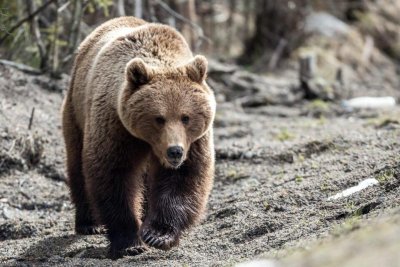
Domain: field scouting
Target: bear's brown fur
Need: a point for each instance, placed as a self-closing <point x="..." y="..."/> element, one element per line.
<point x="137" y="123"/>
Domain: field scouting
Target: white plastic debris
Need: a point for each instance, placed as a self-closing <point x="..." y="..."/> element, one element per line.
<point x="258" y="263"/>
<point x="370" y="102"/>
<point x="362" y="185"/>
<point x="325" y="24"/>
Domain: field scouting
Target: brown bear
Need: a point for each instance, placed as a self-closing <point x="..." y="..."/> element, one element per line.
<point x="137" y="123"/>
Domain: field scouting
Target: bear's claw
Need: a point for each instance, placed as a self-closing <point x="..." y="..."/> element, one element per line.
<point x="156" y="239"/>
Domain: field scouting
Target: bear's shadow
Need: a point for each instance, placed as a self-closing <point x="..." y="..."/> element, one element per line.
<point x="58" y="246"/>
<point x="64" y="247"/>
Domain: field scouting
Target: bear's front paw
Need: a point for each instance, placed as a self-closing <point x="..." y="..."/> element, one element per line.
<point x="162" y="238"/>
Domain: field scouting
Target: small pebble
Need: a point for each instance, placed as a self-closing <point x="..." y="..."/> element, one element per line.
<point x="248" y="155"/>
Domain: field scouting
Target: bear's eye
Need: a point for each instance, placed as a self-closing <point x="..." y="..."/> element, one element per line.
<point x="185" y="119"/>
<point x="160" y="120"/>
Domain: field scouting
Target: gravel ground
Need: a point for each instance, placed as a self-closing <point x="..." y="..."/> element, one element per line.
<point x="276" y="168"/>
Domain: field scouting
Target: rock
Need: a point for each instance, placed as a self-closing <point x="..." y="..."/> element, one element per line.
<point x="380" y="19"/>
<point x="318" y="80"/>
<point x="251" y="90"/>
<point x="8" y="213"/>
<point x="320" y="88"/>
<point x="346" y="54"/>
<point x="216" y="67"/>
<point x="248" y="155"/>
<point x="17" y="230"/>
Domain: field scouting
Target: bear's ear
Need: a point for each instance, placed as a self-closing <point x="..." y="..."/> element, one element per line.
<point x="197" y="69"/>
<point x="137" y="73"/>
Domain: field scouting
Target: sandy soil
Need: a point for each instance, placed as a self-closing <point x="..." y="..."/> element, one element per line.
<point x="276" y="167"/>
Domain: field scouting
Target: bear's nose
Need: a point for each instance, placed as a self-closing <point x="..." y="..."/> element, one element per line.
<point x="175" y="152"/>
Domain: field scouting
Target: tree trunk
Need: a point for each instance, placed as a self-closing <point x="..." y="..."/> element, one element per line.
<point x="275" y="21"/>
<point x="75" y="29"/>
<point x="36" y="33"/>
<point x="138" y="9"/>
<point x="121" y="8"/>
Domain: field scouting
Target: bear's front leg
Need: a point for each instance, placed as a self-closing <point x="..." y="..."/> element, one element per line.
<point x="113" y="171"/>
<point x="178" y="197"/>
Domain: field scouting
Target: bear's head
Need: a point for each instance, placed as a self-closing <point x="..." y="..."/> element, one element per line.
<point x="169" y="108"/>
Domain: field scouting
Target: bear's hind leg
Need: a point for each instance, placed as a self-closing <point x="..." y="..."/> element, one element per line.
<point x="84" y="221"/>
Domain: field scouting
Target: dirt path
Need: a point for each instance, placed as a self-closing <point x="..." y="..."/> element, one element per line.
<point x="276" y="167"/>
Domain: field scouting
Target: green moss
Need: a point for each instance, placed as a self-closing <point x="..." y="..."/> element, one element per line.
<point x="315" y="165"/>
<point x="350" y="205"/>
<point x="284" y="135"/>
<point x="325" y="187"/>
<point x="349" y="225"/>
<point x="300" y="157"/>
<point x="298" y="178"/>
<point x="266" y="205"/>
<point x="318" y="104"/>
<point x="231" y="173"/>
<point x="385" y="176"/>
<point x="235" y="175"/>
<point x="321" y="120"/>
<point x="382" y="121"/>
<point x="367" y="20"/>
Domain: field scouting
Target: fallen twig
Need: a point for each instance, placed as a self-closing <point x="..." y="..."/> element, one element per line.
<point x="31" y="118"/>
<point x="21" y="67"/>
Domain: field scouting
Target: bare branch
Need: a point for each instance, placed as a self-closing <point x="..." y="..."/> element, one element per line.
<point x="172" y="12"/>
<point x="64" y="6"/>
<point x="21" y="67"/>
<point x="27" y="18"/>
